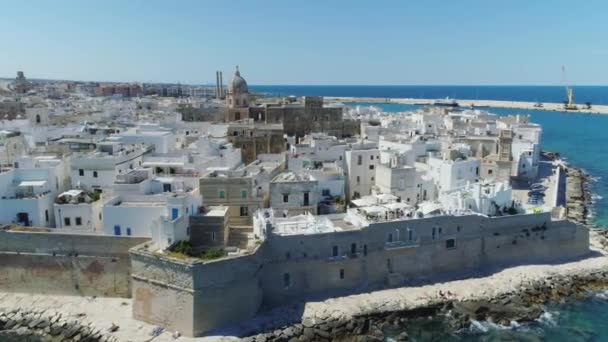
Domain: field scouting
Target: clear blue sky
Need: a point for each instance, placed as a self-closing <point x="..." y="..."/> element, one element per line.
<point x="308" y="42"/>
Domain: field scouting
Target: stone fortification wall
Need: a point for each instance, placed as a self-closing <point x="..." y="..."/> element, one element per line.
<point x="287" y="269"/>
<point x="193" y="296"/>
<point x="66" y="263"/>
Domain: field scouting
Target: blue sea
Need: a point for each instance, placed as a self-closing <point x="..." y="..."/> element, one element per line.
<point x="581" y="139"/>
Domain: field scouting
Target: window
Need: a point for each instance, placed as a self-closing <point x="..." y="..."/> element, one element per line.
<point x="372" y="179"/>
<point x="458" y="228"/>
<point x="489" y="172"/>
<point x="341" y="273"/>
<point x="243" y="193"/>
<point x="358" y="179"/>
<point x="78" y="221"/>
<point x="67" y="222"/>
<point x="334" y="251"/>
<point x="222" y="194"/>
<point x="325" y="192"/>
<point x="188" y="230"/>
<point x="80" y="172"/>
<point x="46" y="215"/>
<point x="213" y="236"/>
<point x="389" y="265"/>
<point x="117" y="230"/>
<point x="286" y="280"/>
<point x="371" y="167"/>
<point x="340" y="158"/>
<point x="306" y="199"/>
<point x="285" y="198"/>
<point x="371" y="157"/>
<point x="410" y="234"/>
<point x="359" y="160"/>
<point x="353" y="248"/>
<point x="129" y="231"/>
<point x="477" y="171"/>
<point x="390" y="237"/>
<point x="364" y="250"/>
<point x="450" y="243"/>
<point x="244" y="211"/>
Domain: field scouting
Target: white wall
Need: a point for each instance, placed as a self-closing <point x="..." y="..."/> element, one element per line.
<point x="361" y="177"/>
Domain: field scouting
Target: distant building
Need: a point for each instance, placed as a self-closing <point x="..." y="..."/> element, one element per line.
<point x="126" y="90"/>
<point x="298" y="119"/>
<point x="21" y="84"/>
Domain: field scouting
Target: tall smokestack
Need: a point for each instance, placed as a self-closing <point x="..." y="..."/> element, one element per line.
<point x="217" y="85"/>
<point x="221" y="85"/>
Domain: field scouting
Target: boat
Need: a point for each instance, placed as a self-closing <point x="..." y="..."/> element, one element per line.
<point x="447" y="102"/>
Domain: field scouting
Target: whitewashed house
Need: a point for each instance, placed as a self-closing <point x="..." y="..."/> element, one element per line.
<point x="28" y="190"/>
<point x="145" y="206"/>
<point x="78" y="211"/>
<point x="98" y="169"/>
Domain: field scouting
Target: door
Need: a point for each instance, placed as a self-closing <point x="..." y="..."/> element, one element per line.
<point x="23" y="219"/>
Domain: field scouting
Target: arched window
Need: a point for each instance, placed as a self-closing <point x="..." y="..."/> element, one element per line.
<point x="37" y="118"/>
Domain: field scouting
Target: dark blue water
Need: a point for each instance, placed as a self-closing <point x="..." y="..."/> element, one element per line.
<point x="582" y="139"/>
<point x="556" y="94"/>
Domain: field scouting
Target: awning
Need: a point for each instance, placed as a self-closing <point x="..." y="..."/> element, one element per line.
<point x="32" y="183"/>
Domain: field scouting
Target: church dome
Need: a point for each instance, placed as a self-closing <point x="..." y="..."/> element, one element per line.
<point x="238" y="84"/>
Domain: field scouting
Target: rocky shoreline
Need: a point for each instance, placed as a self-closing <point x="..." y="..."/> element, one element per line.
<point x="42" y="325"/>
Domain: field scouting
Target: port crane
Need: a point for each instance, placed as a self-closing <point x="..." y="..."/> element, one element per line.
<point x="569" y="104"/>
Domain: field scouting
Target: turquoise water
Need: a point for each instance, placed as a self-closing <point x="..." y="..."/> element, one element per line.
<point x="576" y="320"/>
<point x="581" y="139"/>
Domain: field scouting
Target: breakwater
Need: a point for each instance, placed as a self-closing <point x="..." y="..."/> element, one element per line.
<point x="559" y="107"/>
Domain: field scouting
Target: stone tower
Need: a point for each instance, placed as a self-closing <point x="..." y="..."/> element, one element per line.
<point x="237" y="99"/>
<point x="21" y="84"/>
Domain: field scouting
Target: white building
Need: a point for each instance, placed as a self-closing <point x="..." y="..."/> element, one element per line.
<point x="98" y="170"/>
<point x="487" y="198"/>
<point x="163" y="140"/>
<point x="145" y="206"/>
<point x="361" y="171"/>
<point x="450" y="173"/>
<point x="78" y="211"/>
<point x="28" y="191"/>
<point x="525" y="149"/>
<point x="294" y="193"/>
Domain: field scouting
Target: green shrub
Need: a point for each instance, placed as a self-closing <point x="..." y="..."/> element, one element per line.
<point x="213" y="253"/>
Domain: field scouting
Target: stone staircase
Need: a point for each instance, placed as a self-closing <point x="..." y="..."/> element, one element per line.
<point x="240" y="236"/>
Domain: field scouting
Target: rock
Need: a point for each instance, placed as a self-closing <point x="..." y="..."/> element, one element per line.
<point x="308" y="323"/>
<point x="113" y="328"/>
<point x="308" y="333"/>
<point x="321" y="333"/>
<point x="402" y="337"/>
